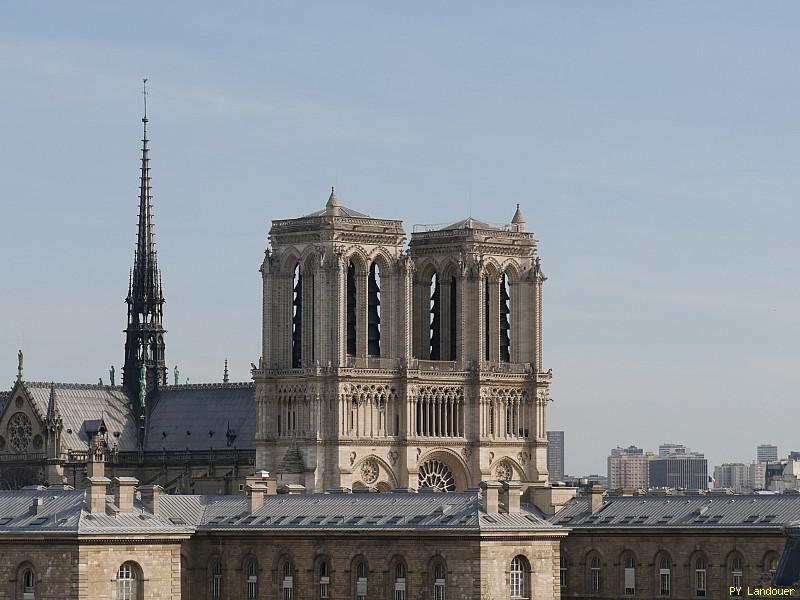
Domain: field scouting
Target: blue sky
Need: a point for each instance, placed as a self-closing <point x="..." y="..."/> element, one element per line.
<point x="652" y="146"/>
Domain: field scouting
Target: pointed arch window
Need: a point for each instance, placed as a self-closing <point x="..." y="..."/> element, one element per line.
<point x="374" y="311"/>
<point x="487" y="316"/>
<point x="505" y="318"/>
<point x="351" y="308"/>
<point x="297" y="319"/>
<point x="436" y="317"/>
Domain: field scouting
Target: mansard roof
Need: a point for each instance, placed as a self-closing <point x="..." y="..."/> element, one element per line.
<point x="202" y="417"/>
<point x="674" y="512"/>
<point x="80" y="405"/>
<point x="64" y="510"/>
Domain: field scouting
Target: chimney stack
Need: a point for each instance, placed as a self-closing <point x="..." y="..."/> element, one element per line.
<point x="37" y="506"/>
<point x="255" y="494"/>
<point x="491" y="496"/>
<point x="98" y="488"/>
<point x="124" y="488"/>
<point x="151" y="497"/>
<point x="595" y="497"/>
<point x="512" y="490"/>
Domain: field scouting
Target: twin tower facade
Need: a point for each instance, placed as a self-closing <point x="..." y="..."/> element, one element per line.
<point x="390" y="368"/>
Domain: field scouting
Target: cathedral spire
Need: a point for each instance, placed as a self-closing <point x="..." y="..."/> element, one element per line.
<point x="144" y="346"/>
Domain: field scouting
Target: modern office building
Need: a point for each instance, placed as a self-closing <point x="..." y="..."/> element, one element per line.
<point x="733" y="476"/>
<point x="555" y="455"/>
<point x="628" y="468"/>
<point x="680" y="472"/>
<point x="766" y="452"/>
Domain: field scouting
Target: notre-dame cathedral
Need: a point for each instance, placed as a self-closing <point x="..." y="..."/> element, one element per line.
<point x="382" y="367"/>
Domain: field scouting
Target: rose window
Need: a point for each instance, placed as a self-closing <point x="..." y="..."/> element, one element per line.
<point x="19" y="432"/>
<point x="504" y="472"/>
<point x="369" y="471"/>
<point x="435" y="475"/>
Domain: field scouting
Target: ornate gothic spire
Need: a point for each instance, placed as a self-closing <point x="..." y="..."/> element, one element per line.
<point x="144" y="346"/>
<point x="53" y="414"/>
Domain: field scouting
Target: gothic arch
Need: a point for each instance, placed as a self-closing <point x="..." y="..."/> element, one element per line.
<point x="511" y="268"/>
<point x="491" y="269"/>
<point x="426" y="270"/>
<point x="290" y="258"/>
<point x="360" y="260"/>
<point x="381" y="258"/>
<point x="384" y="467"/>
<point x="517" y="471"/>
<point x="453" y="461"/>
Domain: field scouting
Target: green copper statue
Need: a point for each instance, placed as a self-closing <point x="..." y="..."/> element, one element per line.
<point x="177" y="374"/>
<point x="142" y="385"/>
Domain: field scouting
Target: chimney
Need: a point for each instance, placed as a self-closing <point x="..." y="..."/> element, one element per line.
<point x="124" y="488"/>
<point x="295" y="488"/>
<point x="255" y="494"/>
<point x="491" y="493"/>
<point x="151" y="497"/>
<point x="595" y="497"/>
<point x="262" y="477"/>
<point x="98" y="488"/>
<point x="37" y="506"/>
<point x="510" y="496"/>
<point x="97" y="458"/>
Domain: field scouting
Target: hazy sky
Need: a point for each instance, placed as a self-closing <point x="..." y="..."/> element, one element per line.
<point x="653" y="148"/>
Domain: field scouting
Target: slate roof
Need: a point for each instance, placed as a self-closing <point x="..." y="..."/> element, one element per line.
<point x="458" y="511"/>
<point x="673" y="512"/>
<point x="198" y="417"/>
<point x="65" y="511"/>
<point x="79" y="404"/>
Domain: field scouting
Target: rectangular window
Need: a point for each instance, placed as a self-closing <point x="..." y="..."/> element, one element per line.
<point x="438" y="589"/>
<point x="361" y="588"/>
<point x="595" y="580"/>
<point x="630" y="581"/>
<point x="288" y="588"/>
<point x="516" y="584"/>
<point x="737" y="579"/>
<point x="216" y="587"/>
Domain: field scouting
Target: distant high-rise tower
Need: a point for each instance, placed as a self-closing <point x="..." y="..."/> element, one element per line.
<point x="555" y="455"/>
<point x="144" y="335"/>
<point x="766" y="453"/>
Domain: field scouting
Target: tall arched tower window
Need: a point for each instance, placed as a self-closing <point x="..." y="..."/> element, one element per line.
<point x="487" y="316"/>
<point x="453" y="318"/>
<point x="297" y="319"/>
<point x="436" y="317"/>
<point x="505" y="318"/>
<point x="374" y="311"/>
<point x="351" y="308"/>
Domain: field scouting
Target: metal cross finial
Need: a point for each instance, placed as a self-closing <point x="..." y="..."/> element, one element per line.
<point x="144" y="93"/>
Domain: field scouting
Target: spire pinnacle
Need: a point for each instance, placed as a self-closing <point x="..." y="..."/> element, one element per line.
<point x="53" y="414"/>
<point x="333" y="201"/>
<point x="225" y="378"/>
<point x="519" y="219"/>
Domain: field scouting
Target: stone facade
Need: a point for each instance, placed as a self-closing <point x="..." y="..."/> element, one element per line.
<point x="388" y="368"/>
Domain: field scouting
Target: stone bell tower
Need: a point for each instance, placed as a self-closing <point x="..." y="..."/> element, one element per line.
<point x="383" y="368"/>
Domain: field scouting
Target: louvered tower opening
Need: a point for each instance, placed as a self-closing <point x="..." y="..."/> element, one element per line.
<point x="453" y="322"/>
<point x="351" y="308"/>
<point x="374" y="312"/>
<point x="505" y="314"/>
<point x="436" y="321"/>
<point x="487" y="337"/>
<point x="297" y="319"/>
